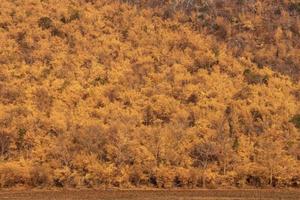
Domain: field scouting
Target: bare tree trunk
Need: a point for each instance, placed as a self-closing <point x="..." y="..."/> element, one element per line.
<point x="2" y="150"/>
<point x="157" y="156"/>
<point x="204" y="174"/>
<point x="204" y="179"/>
<point x="225" y="164"/>
<point x="271" y="177"/>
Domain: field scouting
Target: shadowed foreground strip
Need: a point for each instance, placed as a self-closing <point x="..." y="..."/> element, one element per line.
<point x="151" y="194"/>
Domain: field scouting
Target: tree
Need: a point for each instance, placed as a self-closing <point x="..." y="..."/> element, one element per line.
<point x="5" y="141"/>
<point x="204" y="154"/>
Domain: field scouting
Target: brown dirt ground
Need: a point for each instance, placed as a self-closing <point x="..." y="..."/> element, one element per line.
<point x="148" y="194"/>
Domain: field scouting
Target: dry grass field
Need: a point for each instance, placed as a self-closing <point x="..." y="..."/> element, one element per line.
<point x="150" y="194"/>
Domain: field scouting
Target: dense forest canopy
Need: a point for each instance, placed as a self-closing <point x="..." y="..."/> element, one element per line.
<point x="107" y="93"/>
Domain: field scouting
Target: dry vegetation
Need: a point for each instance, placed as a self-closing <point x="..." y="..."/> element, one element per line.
<point x="158" y="94"/>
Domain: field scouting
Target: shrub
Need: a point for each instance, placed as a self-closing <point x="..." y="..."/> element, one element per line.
<point x="100" y="80"/>
<point x="226" y="180"/>
<point x="4" y="143"/>
<point x="43" y="99"/>
<point x="164" y="177"/>
<point x="58" y="33"/>
<point x="184" y="178"/>
<point x="75" y="15"/>
<point x="148" y="116"/>
<point x="294" y="7"/>
<point x="193" y="98"/>
<point x="243" y="94"/>
<point x="9" y="95"/>
<point x="4" y="26"/>
<point x="256" y="115"/>
<point x="296" y="93"/>
<point x="296" y="120"/>
<point x="206" y="61"/>
<point x="98" y="174"/>
<point x="120" y="177"/>
<point x="39" y="176"/>
<point x="137" y="176"/>
<point x="45" y="23"/>
<point x="295" y="181"/>
<point x="21" y="138"/>
<point x="62" y="177"/>
<point x="12" y="174"/>
<point x="254" y="78"/>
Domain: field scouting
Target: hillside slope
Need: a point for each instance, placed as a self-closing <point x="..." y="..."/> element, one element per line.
<point x="104" y="93"/>
<point x="267" y="32"/>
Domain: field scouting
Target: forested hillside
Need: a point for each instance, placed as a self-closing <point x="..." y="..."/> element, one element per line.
<point x="162" y="94"/>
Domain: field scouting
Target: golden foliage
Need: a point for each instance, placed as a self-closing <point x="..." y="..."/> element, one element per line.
<point x="111" y="94"/>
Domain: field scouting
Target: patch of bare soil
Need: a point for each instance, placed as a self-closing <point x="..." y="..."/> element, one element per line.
<point x="149" y="194"/>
